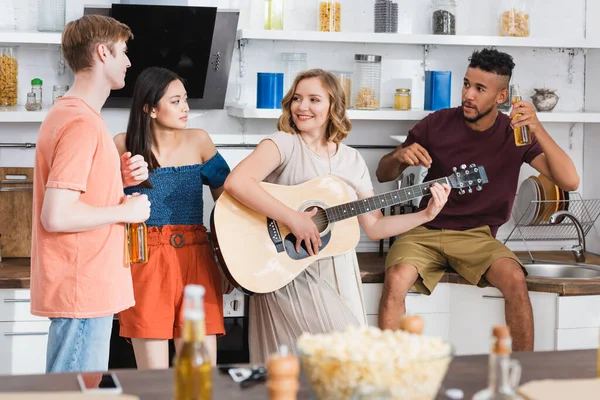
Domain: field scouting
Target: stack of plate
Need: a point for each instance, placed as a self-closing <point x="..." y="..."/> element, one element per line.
<point x="386" y="16"/>
<point x="537" y="199"/>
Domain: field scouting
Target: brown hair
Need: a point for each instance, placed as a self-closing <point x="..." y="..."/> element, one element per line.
<point x="339" y="125"/>
<point x="81" y="36"/>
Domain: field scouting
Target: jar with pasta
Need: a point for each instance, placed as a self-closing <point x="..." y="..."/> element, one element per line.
<point x="514" y="18"/>
<point x="330" y="15"/>
<point x="366" y="82"/>
<point x="9" y="69"/>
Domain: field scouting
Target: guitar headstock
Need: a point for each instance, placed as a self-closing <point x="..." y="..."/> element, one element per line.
<point x="466" y="178"/>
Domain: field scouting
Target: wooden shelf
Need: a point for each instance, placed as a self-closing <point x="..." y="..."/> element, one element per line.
<point x="417" y="39"/>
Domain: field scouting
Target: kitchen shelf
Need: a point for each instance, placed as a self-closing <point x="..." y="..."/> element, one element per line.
<point x="389" y="114"/>
<point x="20" y="114"/>
<point x="19" y="37"/>
<point x="416" y="39"/>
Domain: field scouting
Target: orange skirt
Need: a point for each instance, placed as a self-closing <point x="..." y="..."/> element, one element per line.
<point x="178" y="255"/>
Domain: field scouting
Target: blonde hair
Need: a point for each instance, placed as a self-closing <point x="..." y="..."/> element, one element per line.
<point x="339" y="125"/>
<point x="81" y="36"/>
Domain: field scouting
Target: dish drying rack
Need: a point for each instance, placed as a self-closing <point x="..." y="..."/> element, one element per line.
<point x="585" y="211"/>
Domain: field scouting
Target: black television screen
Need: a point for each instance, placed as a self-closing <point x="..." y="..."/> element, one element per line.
<point x="175" y="37"/>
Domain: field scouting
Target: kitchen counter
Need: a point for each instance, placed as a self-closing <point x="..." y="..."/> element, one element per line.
<point x="14" y="273"/>
<point x="372" y="271"/>
<point x="468" y="373"/>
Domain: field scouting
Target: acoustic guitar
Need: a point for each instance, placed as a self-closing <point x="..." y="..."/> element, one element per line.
<point x="258" y="254"/>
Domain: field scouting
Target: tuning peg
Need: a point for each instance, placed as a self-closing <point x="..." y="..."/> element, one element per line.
<point x="479" y="180"/>
<point x="454" y="169"/>
<point x="470" y="190"/>
<point x="461" y="191"/>
<point x="472" y="166"/>
<point x="470" y="183"/>
<point x="479" y="188"/>
<point x="463" y="166"/>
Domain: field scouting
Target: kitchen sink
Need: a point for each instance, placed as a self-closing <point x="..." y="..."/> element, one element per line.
<point x="563" y="271"/>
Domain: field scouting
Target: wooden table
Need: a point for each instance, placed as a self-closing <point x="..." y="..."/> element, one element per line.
<point x="468" y="373"/>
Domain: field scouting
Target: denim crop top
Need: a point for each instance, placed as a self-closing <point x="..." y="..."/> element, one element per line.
<point x="176" y="196"/>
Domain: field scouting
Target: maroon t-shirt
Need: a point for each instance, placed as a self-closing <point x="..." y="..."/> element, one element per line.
<point x="450" y="143"/>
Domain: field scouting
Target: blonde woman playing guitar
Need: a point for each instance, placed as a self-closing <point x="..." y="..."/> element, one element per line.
<point x="327" y="295"/>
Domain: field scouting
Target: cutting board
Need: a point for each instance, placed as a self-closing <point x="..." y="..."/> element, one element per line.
<point x="580" y="389"/>
<point x="16" y="200"/>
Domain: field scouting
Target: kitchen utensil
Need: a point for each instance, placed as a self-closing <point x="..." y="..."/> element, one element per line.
<point x="16" y="200"/>
<point x="526" y="207"/>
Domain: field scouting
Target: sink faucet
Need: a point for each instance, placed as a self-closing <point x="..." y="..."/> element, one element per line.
<point x="578" y="250"/>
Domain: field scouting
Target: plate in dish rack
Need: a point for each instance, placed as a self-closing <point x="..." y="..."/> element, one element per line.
<point x="526" y="207"/>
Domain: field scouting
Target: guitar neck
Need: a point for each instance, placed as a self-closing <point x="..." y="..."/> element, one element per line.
<point x="388" y="199"/>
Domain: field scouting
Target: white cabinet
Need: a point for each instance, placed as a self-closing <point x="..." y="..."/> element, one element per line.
<point x="474" y="311"/>
<point x="23" y="337"/>
<point x="434" y="309"/>
<point x="578" y="323"/>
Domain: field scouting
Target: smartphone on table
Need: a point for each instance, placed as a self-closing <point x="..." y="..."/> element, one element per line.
<point x="99" y="383"/>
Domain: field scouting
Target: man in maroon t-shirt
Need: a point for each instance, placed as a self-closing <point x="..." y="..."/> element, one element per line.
<point x="463" y="234"/>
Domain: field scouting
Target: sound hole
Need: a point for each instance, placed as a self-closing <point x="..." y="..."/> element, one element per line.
<point x="320" y="218"/>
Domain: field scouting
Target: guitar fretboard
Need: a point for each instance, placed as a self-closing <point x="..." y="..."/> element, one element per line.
<point x="358" y="207"/>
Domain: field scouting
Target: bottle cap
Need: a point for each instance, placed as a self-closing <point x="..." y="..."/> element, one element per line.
<point x="36" y="82"/>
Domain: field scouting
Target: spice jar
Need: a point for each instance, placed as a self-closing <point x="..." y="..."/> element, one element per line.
<point x="366" y="82"/>
<point x="31" y="104"/>
<point x="36" y="88"/>
<point x="274" y="14"/>
<point x="385" y="16"/>
<point x="402" y="99"/>
<point x="294" y="64"/>
<point x="345" y="79"/>
<point x="444" y="17"/>
<point x="9" y="69"/>
<point x="330" y="16"/>
<point x="58" y="91"/>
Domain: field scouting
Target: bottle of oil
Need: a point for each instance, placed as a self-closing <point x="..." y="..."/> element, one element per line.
<point x="522" y="134"/>
<point x="504" y="374"/>
<point x="137" y="243"/>
<point x="192" y="366"/>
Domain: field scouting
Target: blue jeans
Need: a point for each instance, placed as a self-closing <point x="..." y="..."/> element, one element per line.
<point x="78" y="345"/>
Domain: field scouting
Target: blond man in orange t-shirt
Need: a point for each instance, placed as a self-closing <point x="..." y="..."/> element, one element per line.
<point x="79" y="277"/>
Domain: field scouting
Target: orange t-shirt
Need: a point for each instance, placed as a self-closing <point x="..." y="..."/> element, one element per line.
<point x="78" y="275"/>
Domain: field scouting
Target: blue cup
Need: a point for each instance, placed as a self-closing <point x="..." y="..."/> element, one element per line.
<point x="269" y="89"/>
<point x="438" y="88"/>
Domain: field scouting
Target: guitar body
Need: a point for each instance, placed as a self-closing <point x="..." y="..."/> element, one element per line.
<point x="258" y="255"/>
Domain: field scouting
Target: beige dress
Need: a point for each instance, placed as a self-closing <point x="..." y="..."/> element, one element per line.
<point x="327" y="296"/>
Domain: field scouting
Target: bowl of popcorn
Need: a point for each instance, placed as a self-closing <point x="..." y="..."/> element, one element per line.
<point x="406" y="364"/>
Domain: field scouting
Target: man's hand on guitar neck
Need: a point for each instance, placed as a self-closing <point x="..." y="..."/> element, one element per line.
<point x="304" y="229"/>
<point x="439" y="197"/>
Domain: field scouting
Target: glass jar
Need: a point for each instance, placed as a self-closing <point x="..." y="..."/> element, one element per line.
<point x="294" y="63"/>
<point x="402" y="99"/>
<point x="345" y="79"/>
<point x="366" y="82"/>
<point x="31" y="104"/>
<point x="36" y="88"/>
<point x="444" y="17"/>
<point x="330" y="16"/>
<point x="274" y="14"/>
<point x="58" y="91"/>
<point x="514" y="18"/>
<point x="9" y="70"/>
<point x="51" y="15"/>
<point x="385" y="16"/>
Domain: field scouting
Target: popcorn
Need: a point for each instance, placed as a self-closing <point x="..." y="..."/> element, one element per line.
<point x="410" y="366"/>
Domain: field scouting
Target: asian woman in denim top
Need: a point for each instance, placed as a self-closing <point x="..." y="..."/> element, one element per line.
<point x="181" y="161"/>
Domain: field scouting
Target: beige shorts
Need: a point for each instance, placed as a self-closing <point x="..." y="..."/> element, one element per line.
<point x="470" y="253"/>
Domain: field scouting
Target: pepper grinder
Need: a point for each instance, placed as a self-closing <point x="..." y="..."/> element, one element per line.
<point x="283" y="370"/>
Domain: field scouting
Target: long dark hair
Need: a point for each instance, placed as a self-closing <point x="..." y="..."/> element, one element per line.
<point x="150" y="87"/>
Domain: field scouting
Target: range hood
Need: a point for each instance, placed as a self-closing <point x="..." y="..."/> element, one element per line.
<point x="195" y="42"/>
